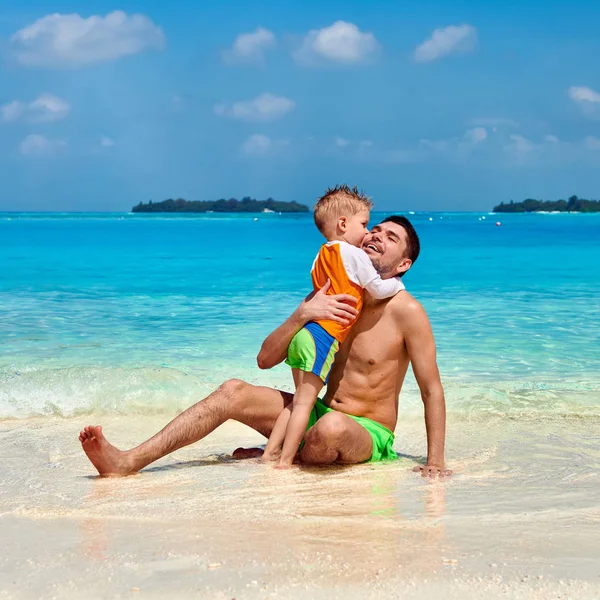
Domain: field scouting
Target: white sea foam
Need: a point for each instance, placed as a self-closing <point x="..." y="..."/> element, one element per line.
<point x="67" y="392"/>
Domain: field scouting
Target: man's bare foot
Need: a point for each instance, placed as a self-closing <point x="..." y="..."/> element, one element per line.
<point x="243" y="453"/>
<point x="109" y="461"/>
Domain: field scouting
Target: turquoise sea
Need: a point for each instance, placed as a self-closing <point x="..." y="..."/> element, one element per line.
<point x="123" y="313"/>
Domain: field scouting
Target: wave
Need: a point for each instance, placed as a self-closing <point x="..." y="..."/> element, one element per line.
<point x="74" y="391"/>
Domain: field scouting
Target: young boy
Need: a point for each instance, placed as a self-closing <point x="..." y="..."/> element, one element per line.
<point x="341" y="215"/>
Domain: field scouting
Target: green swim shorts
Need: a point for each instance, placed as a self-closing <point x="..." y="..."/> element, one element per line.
<point x="383" y="438"/>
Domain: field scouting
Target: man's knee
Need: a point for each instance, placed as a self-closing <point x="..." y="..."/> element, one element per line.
<point x="330" y="427"/>
<point x="236" y="394"/>
<point x="232" y="387"/>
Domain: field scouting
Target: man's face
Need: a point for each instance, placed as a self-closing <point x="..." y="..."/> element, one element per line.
<point x="386" y="246"/>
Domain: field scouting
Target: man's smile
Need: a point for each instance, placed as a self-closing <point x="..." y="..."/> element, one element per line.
<point x="374" y="247"/>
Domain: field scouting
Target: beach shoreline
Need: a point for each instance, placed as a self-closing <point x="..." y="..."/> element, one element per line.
<point x="518" y="519"/>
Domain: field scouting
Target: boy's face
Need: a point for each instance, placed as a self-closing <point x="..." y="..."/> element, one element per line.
<point x="356" y="228"/>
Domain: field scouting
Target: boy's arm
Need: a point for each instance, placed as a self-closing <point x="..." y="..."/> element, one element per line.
<point x="384" y="288"/>
<point x="317" y="306"/>
<point x="361" y="270"/>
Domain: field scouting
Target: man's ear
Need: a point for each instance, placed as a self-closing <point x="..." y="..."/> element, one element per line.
<point x="404" y="265"/>
<point x="343" y="224"/>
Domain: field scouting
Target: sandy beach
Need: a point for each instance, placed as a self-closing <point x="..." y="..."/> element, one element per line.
<point x="519" y="519"/>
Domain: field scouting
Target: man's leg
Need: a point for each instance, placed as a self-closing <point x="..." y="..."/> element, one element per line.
<point x="257" y="407"/>
<point x="335" y="437"/>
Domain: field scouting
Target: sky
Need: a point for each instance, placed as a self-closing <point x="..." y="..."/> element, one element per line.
<point x="423" y="105"/>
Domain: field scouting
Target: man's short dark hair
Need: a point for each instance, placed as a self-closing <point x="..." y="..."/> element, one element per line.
<point x="413" y="245"/>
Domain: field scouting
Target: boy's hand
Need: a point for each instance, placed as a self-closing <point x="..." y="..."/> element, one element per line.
<point x="321" y="307"/>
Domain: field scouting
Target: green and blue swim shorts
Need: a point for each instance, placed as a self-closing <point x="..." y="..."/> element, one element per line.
<point x="313" y="350"/>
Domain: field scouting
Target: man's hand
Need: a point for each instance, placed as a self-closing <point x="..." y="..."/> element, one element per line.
<point x="321" y="307"/>
<point x="432" y="471"/>
<point x="318" y="306"/>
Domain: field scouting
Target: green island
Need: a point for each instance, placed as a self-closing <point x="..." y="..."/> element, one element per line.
<point x="573" y="204"/>
<point x="245" y="205"/>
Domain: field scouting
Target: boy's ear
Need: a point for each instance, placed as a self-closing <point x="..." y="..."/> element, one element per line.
<point x="343" y="223"/>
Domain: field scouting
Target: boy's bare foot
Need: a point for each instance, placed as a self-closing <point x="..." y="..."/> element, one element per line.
<point x="269" y="457"/>
<point x="108" y="460"/>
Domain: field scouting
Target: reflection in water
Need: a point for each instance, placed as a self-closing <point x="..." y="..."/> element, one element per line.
<point x="348" y="522"/>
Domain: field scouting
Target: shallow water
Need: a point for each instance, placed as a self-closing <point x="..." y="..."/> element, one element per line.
<point x="519" y="519"/>
<point x="147" y="313"/>
<point x="126" y="320"/>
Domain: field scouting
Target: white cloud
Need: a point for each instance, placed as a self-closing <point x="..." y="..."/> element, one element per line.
<point x="365" y="150"/>
<point x="457" y="146"/>
<point x="262" y="145"/>
<point x="551" y="150"/>
<point x="583" y="94"/>
<point x="436" y="145"/>
<point x="106" y="142"/>
<point x="505" y="148"/>
<point x="257" y="145"/>
<point x="45" y="109"/>
<point x="38" y="145"/>
<point x="250" y="48"/>
<point x="341" y="42"/>
<point x="520" y="144"/>
<point x="404" y="156"/>
<point x="11" y="112"/>
<point x="73" y="41"/>
<point x="341" y="142"/>
<point x="265" y="107"/>
<point x="457" y="149"/>
<point x="447" y="40"/>
<point x="476" y="135"/>
<point x="494" y="122"/>
<point x="591" y="143"/>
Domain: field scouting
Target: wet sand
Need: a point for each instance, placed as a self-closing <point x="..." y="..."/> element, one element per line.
<point x="519" y="519"/>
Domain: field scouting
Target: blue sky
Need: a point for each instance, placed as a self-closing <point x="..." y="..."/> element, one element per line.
<point x="424" y="105"/>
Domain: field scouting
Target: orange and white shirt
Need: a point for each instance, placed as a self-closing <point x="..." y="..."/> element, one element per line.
<point x="350" y="271"/>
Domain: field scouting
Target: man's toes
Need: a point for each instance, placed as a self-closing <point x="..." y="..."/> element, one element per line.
<point x="96" y="431"/>
<point x="86" y="434"/>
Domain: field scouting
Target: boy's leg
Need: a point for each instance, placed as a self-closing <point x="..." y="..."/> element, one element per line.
<point x="257" y="407"/>
<point x="308" y="387"/>
<point x="277" y="437"/>
<point x="273" y="447"/>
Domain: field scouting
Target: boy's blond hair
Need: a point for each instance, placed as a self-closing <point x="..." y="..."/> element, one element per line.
<point x="336" y="202"/>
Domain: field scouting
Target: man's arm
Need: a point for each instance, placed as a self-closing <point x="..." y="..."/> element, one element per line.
<point x="317" y="306"/>
<point x="421" y="352"/>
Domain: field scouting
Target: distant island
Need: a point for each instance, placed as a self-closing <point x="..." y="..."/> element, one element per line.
<point x="245" y="205"/>
<point x="573" y="204"/>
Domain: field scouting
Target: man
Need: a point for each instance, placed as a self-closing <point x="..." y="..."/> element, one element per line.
<point x="365" y="381"/>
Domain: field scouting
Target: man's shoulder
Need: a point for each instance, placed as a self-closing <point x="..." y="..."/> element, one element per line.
<point x="404" y="306"/>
